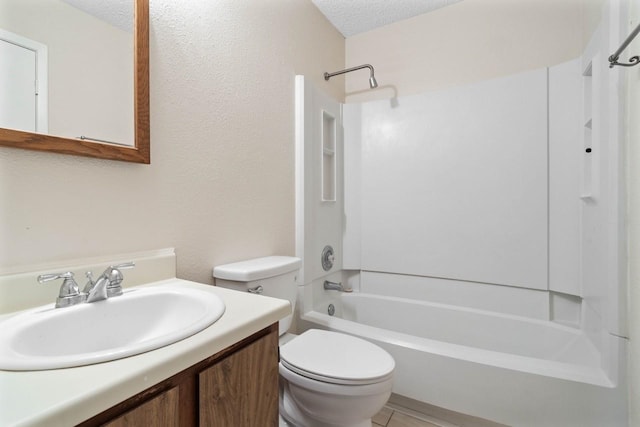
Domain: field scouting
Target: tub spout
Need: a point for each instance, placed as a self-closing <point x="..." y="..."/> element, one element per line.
<point x="335" y="286"/>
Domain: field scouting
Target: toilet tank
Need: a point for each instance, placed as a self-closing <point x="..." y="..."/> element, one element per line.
<point x="273" y="276"/>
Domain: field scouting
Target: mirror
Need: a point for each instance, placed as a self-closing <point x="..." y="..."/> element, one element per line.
<point x="128" y="141"/>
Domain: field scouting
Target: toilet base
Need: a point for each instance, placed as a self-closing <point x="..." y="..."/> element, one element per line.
<point x="294" y="418"/>
<point x="290" y="412"/>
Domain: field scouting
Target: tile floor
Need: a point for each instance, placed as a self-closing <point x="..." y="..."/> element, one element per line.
<point x="393" y="417"/>
<point x="396" y="415"/>
<point x="388" y="417"/>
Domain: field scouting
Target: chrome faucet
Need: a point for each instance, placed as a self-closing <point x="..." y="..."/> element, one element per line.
<point x="69" y="291"/>
<point x="107" y="285"/>
<point x="335" y="286"/>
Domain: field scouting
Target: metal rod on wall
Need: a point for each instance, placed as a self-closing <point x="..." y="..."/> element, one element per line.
<point x="372" y="79"/>
<point x="634" y="60"/>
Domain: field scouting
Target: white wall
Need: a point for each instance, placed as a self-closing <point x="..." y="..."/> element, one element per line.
<point x="88" y="58"/>
<point x="220" y="186"/>
<point x="633" y="218"/>
<point x="467" y="42"/>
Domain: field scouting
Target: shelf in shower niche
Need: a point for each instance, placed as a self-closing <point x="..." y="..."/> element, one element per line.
<point x="588" y="123"/>
<point x="328" y="162"/>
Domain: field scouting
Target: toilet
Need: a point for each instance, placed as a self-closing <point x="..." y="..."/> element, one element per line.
<point x="327" y="379"/>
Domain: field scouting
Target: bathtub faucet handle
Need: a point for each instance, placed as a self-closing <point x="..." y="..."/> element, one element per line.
<point x="327" y="258"/>
<point x="335" y="286"/>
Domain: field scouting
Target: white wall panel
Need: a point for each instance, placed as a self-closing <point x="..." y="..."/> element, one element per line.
<point x="318" y="222"/>
<point x="593" y="215"/>
<point x="454" y="183"/>
<point x="602" y="214"/>
<point x="565" y="151"/>
<point x="352" y="237"/>
<point x="501" y="299"/>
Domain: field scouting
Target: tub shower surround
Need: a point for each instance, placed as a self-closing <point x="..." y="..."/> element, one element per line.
<point x="481" y="235"/>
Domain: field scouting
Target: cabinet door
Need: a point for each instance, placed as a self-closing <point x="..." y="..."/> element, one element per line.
<point x="159" y="411"/>
<point x="242" y="389"/>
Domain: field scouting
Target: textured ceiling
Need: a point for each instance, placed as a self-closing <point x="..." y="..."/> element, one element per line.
<point x="118" y="13"/>
<point x="351" y="17"/>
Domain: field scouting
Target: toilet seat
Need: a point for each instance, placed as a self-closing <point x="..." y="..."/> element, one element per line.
<point x="336" y="358"/>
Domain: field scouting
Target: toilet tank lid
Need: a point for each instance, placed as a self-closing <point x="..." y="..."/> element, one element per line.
<point x="257" y="268"/>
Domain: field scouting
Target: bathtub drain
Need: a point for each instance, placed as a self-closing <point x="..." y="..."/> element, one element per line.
<point x="331" y="310"/>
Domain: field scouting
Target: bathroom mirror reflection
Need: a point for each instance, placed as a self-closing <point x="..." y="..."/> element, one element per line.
<point x="78" y="74"/>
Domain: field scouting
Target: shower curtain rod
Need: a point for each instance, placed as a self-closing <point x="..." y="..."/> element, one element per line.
<point x="634" y="60"/>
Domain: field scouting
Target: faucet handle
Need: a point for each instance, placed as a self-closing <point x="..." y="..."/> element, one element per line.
<point x="115" y="278"/>
<point x="69" y="291"/>
<point x="122" y="266"/>
<point x="53" y="276"/>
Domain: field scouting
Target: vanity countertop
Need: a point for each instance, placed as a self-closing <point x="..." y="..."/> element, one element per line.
<point x="70" y="396"/>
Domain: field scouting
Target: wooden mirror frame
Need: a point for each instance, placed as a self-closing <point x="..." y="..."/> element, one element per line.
<point x="140" y="152"/>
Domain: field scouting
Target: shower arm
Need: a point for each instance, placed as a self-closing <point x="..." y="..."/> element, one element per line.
<point x="327" y="76"/>
<point x="372" y="78"/>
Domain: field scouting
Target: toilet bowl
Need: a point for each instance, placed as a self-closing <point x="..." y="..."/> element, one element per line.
<point x="327" y="379"/>
<point x="332" y="379"/>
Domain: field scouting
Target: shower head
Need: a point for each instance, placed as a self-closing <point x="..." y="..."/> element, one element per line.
<point x="372" y="80"/>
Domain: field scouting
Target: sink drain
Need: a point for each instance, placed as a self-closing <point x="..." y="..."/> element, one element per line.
<point x="331" y="310"/>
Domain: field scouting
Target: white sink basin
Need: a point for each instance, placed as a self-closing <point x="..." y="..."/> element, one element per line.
<point x="140" y="320"/>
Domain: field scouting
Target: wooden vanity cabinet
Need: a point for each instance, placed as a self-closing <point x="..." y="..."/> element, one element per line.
<point x="162" y="410"/>
<point x="242" y="389"/>
<point x="236" y="387"/>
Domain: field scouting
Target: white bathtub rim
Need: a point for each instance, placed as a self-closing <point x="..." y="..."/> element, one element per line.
<point x="546" y="323"/>
<point x="571" y="334"/>
<point x="593" y="375"/>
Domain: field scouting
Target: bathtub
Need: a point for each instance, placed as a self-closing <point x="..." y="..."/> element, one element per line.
<point x="505" y="368"/>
